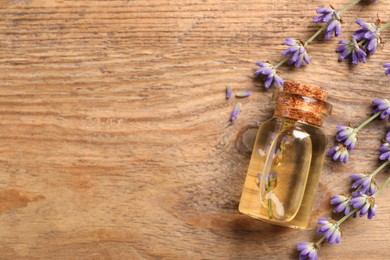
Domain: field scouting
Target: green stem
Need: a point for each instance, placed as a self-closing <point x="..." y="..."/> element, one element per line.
<point x="270" y="215"/>
<point x="282" y="62"/>
<point x="338" y="223"/>
<point x="379" y="168"/>
<point x="361" y="42"/>
<point x="357" y="129"/>
<point x="316" y="34"/>
<point x="319" y="241"/>
<point x="384" y="27"/>
<point x="349" y="6"/>
<point x="382" y="187"/>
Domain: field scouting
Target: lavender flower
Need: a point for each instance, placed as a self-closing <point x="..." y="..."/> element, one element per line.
<point x="271" y="180"/>
<point x="348" y="135"/>
<point x="228" y="92"/>
<point x="368" y="35"/>
<point x="382" y="105"/>
<point x="307" y="251"/>
<point x="352" y="50"/>
<point x="339" y="152"/>
<point x="388" y="137"/>
<point x="242" y="94"/>
<point x="333" y="19"/>
<point x="341" y="203"/>
<point x="387" y="68"/>
<point x="384" y="152"/>
<point x="365" y="204"/>
<point x="235" y="112"/>
<point x="363" y="184"/>
<point x="385" y="149"/>
<point x="297" y="51"/>
<point x="331" y="230"/>
<point x="270" y="75"/>
<point x="263" y="152"/>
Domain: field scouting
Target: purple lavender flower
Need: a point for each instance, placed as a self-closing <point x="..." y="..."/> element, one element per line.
<point x="270" y="75"/>
<point x="307" y="251"/>
<point x="297" y="52"/>
<point x="341" y="203"/>
<point x="352" y="50"/>
<point x="363" y="184"/>
<point x="235" y="112"/>
<point x="388" y="137"/>
<point x="243" y="94"/>
<point x="228" y="92"/>
<point x="271" y="180"/>
<point x="382" y="105"/>
<point x="387" y="68"/>
<point x="365" y="204"/>
<point x="332" y="18"/>
<point x="339" y="152"/>
<point x="385" y="149"/>
<point x="331" y="230"/>
<point x="369" y="36"/>
<point x="348" y="135"/>
<point x="384" y="152"/>
<point x="263" y="152"/>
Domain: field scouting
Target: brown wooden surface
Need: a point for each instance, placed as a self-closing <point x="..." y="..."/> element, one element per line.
<point x="113" y="131"/>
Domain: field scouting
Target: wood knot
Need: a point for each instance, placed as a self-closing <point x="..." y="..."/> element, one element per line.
<point x="246" y="139"/>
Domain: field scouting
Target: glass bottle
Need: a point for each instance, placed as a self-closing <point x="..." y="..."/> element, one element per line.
<point x="287" y="158"/>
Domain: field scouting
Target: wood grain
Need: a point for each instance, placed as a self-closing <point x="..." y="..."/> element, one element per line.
<point x="113" y="136"/>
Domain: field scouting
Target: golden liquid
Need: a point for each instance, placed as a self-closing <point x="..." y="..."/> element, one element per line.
<point x="289" y="173"/>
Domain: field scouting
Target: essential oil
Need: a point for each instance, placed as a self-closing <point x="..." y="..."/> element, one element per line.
<point x="287" y="158"/>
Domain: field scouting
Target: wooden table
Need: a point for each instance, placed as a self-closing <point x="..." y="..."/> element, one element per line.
<point x="114" y="136"/>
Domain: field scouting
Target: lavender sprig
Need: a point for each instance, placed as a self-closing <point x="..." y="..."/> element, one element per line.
<point x="362" y="202"/>
<point x="348" y="137"/>
<point x="297" y="51"/>
<point x="364" y="42"/>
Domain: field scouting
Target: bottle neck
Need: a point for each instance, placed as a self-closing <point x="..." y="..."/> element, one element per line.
<point x="300" y="115"/>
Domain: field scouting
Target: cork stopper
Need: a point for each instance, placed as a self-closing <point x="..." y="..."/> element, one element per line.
<point x="302" y="102"/>
<point x="305" y="90"/>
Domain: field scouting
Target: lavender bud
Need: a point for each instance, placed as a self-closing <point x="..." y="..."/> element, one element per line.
<point x="235" y="113"/>
<point x="243" y="94"/>
<point x="229" y="92"/>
